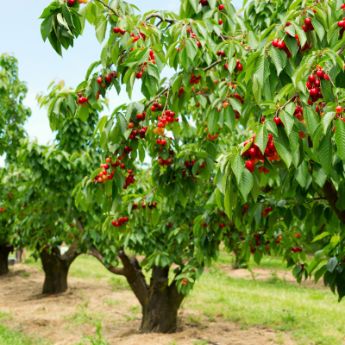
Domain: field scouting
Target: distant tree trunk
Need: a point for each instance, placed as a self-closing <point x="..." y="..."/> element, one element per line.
<point x="160" y="301"/>
<point x="4" y="253"/>
<point x="162" y="304"/>
<point x="19" y="255"/>
<point x="55" y="267"/>
<point x="238" y="262"/>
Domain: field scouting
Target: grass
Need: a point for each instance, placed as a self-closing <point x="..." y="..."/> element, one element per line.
<point x="9" y="337"/>
<point x="311" y="316"/>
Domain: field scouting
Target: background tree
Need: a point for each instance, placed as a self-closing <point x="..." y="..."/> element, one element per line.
<point x="13" y="115"/>
<point x="48" y="216"/>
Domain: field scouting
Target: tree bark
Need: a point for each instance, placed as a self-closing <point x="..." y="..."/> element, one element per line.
<point x="160" y="301"/>
<point x="331" y="196"/>
<point x="4" y="253"/>
<point x="163" y="302"/>
<point x="56" y="269"/>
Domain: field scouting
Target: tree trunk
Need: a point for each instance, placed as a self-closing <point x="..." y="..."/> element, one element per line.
<point x="56" y="271"/>
<point x="4" y="253"/>
<point x="162" y="304"/>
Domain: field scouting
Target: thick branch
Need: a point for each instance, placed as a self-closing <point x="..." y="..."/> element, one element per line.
<point x="135" y="277"/>
<point x="331" y="195"/>
<point x="116" y="270"/>
<point x="71" y="253"/>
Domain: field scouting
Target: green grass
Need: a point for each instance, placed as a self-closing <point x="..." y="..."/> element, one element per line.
<point x="9" y="337"/>
<point x="311" y="316"/>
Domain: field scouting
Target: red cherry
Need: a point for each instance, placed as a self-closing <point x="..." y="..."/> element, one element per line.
<point x="339" y="109"/>
<point x="71" y="3"/>
<point x="277" y="121"/>
<point x="99" y="80"/>
<point x="320" y="73"/>
<point x="139" y="75"/>
<point x="275" y="43"/>
<point x="250" y="165"/>
<point x="307" y="22"/>
<point x="221" y="7"/>
<point x="220" y="22"/>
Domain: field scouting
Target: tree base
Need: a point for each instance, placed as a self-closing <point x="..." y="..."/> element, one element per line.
<point x="56" y="272"/>
<point x="4" y="253"/>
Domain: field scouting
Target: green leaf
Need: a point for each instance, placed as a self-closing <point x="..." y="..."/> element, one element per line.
<point x="340" y="138"/>
<point x="279" y="59"/>
<point x="284" y="153"/>
<point x="262" y="138"/>
<point x="246" y="184"/>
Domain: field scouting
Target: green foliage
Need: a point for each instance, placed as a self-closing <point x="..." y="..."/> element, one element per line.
<point x="242" y="144"/>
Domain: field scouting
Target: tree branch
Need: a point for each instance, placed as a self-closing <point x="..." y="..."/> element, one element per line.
<point x="109" y="8"/>
<point x="161" y="19"/>
<point x="205" y="69"/>
<point x="116" y="270"/>
<point x="71" y="253"/>
<point x="135" y="277"/>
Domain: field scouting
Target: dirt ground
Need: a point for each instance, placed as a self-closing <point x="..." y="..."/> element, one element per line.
<point x="67" y="319"/>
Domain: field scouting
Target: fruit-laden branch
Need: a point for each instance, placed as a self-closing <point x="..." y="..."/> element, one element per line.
<point x="205" y="69"/>
<point x="331" y="195"/>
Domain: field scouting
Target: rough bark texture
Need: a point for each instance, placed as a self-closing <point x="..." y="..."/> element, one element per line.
<point x="56" y="269"/>
<point x="160" y="301"/>
<point x="4" y="253"/>
<point x="162" y="304"/>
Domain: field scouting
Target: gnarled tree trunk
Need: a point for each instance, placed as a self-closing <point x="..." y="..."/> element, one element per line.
<point x="4" y="253"/>
<point x="55" y="267"/>
<point x="162" y="304"/>
<point x="160" y="301"/>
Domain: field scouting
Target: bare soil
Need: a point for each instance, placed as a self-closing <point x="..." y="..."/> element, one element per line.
<point x="68" y="318"/>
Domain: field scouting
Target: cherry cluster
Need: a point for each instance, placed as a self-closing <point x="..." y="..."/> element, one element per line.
<point x="296" y="249"/>
<point x="130" y="179"/>
<point x="280" y="44"/>
<point x="298" y="113"/>
<point x="120" y="222"/>
<point x="313" y="84"/>
<point x="168" y="116"/>
<point x="151" y="205"/>
<point x="168" y="161"/>
<point x="194" y="79"/>
<point x="105" y="175"/>
<point x="138" y="132"/>
<point x="82" y="99"/>
<point x="118" y="30"/>
<point x="255" y="156"/>
<point x="194" y="36"/>
<point x="307" y="26"/>
<point x="105" y="81"/>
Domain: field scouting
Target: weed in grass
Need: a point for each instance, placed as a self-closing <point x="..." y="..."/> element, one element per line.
<point x="97" y="339"/>
<point x="134" y="313"/>
<point x="82" y="316"/>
